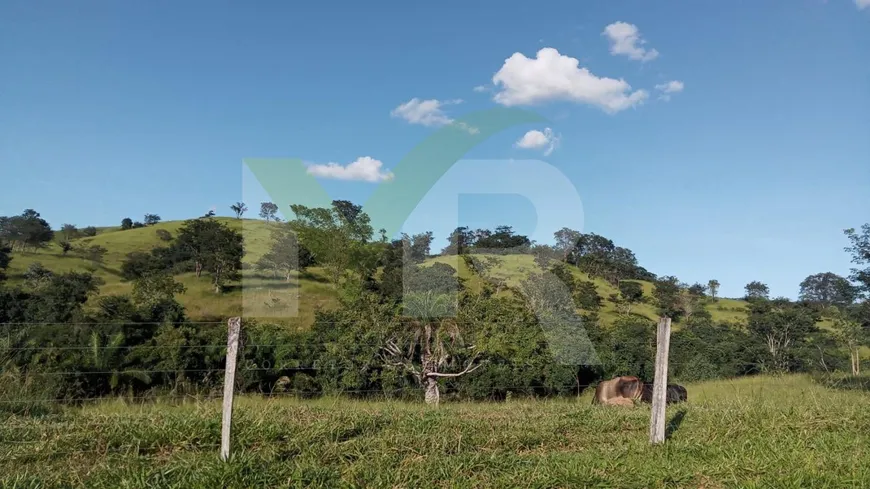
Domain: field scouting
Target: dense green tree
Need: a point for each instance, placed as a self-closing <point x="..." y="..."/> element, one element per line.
<point x="698" y="290"/>
<point x="668" y="296"/>
<point x="783" y="328"/>
<point x="126" y="223"/>
<point x="757" y="290"/>
<point x="89" y="231"/>
<point x="419" y="246"/>
<point x="828" y="289"/>
<point x="586" y="296"/>
<point x="268" y="211"/>
<point x="459" y="242"/>
<point x="286" y="254"/>
<point x="151" y="219"/>
<point x="61" y="299"/>
<point x="336" y="237"/>
<point x="630" y="293"/>
<point x="156" y="287"/>
<point x="213" y="247"/>
<point x="860" y="250"/>
<point x="27" y="231"/>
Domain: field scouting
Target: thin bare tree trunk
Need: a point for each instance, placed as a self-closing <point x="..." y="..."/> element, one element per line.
<point x="433" y="395"/>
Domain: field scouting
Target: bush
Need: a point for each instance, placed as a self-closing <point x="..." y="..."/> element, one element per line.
<point x="164" y="235"/>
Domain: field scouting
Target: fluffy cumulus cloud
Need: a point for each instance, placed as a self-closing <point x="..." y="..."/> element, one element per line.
<point x="365" y="169"/>
<point x="535" y="139"/>
<point x="552" y="76"/>
<point x="862" y="4"/>
<point x="674" y="86"/>
<point x="429" y="113"/>
<point x="625" y="40"/>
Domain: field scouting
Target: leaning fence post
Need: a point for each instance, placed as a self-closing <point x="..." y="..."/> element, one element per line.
<point x="659" y="396"/>
<point x="233" y="327"/>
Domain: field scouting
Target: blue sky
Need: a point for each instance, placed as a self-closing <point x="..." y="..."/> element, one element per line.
<point x="750" y="170"/>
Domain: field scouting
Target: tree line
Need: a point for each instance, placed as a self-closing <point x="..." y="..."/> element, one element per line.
<point x="405" y="327"/>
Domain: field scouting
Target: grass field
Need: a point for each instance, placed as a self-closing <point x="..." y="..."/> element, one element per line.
<point x="785" y="432"/>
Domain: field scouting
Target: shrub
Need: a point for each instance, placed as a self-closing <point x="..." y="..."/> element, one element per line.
<point x="164" y="235"/>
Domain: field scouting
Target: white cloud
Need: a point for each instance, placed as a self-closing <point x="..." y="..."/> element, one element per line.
<point x="429" y="113"/>
<point x="424" y="112"/>
<point x="625" y="39"/>
<point x="862" y="4"/>
<point x="673" y="86"/>
<point x="535" y="139"/>
<point x="480" y="88"/>
<point x="365" y="168"/>
<point x="552" y="76"/>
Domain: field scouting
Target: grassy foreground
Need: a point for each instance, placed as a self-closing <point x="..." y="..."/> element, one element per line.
<point x="758" y="432"/>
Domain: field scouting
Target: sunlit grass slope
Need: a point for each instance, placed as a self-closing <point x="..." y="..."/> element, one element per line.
<point x="304" y="293"/>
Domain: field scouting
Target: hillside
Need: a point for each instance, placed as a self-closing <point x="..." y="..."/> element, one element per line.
<point x="309" y="290"/>
<point x="199" y="299"/>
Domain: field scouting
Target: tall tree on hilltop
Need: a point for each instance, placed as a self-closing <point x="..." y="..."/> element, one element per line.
<point x="668" y="296"/>
<point x="757" y="290"/>
<point x="239" y="208"/>
<point x="419" y="246"/>
<point x="828" y="289"/>
<point x="860" y="251"/>
<point x="126" y="223"/>
<point x="151" y="219"/>
<point x="268" y="211"/>
<point x="567" y="241"/>
<point x="713" y="287"/>
<point x="337" y="242"/>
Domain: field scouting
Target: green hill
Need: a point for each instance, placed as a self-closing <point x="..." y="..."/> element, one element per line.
<point x="199" y="299"/>
<point x="303" y="294"/>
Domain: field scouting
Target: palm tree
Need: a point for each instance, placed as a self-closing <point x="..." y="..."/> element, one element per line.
<point x="429" y="342"/>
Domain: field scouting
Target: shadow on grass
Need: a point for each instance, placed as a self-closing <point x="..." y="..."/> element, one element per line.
<point x="674" y="423"/>
<point x="314" y="278"/>
<point x="844" y="381"/>
<point x="261" y="286"/>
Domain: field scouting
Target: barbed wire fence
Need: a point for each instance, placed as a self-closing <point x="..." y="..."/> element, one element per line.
<point x="223" y="383"/>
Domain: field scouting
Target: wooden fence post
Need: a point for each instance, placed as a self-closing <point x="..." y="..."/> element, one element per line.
<point x="660" y="384"/>
<point x="233" y="327"/>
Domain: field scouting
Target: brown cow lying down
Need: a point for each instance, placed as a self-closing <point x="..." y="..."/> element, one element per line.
<point x="626" y="390"/>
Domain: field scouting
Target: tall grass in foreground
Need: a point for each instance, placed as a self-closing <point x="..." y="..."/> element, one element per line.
<point x="751" y="432"/>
